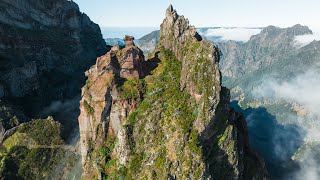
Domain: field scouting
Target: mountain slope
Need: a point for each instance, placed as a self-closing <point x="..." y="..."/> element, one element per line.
<point x="272" y="44"/>
<point x="45" y="46"/>
<point x="149" y="42"/>
<point x="167" y="117"/>
<point x="273" y="80"/>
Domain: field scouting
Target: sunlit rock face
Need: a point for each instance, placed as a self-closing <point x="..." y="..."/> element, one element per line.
<point x="164" y="118"/>
<point x="133" y="63"/>
<point x="103" y="108"/>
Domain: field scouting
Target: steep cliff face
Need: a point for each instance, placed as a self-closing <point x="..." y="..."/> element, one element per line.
<point x="174" y="121"/>
<point x="45" y="46"/>
<point x="105" y="105"/>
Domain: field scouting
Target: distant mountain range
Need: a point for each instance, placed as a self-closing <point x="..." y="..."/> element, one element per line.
<point x="270" y="78"/>
<point x="120" y="32"/>
<point x="146" y="43"/>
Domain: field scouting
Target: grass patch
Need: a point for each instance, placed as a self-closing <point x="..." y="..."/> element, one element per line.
<point x="89" y="108"/>
<point x="167" y="106"/>
<point x="132" y="89"/>
<point x="43" y="132"/>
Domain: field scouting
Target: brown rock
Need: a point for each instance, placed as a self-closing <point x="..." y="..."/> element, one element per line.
<point x="103" y="112"/>
<point x="133" y="63"/>
<point x="128" y="41"/>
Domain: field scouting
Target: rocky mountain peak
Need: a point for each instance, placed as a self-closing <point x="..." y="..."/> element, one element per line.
<point x="187" y="45"/>
<point x="270" y="45"/>
<point x="176" y="28"/>
<point x="295" y="30"/>
<point x="128" y="41"/>
<point x="127" y="62"/>
<point x="173" y="123"/>
<point x="45" y="46"/>
<point x="299" y="29"/>
<point x="170" y="12"/>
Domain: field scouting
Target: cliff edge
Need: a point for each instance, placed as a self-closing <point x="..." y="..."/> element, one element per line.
<point x="171" y="122"/>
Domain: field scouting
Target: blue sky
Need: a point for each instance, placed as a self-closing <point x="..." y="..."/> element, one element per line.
<point x="204" y="13"/>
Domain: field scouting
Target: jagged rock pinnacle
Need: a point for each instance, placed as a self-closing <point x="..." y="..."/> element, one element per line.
<point x="169" y="11"/>
<point x="128" y="40"/>
<point x="170" y="8"/>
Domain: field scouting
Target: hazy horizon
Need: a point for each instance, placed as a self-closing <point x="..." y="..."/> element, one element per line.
<point x="231" y="13"/>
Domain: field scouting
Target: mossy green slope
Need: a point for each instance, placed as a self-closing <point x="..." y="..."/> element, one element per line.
<point x="163" y="125"/>
<point x="36" y="151"/>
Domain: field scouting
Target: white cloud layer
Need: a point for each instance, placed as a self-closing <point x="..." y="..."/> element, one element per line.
<point x="303" y="40"/>
<point x="236" y="34"/>
<point x="304" y="90"/>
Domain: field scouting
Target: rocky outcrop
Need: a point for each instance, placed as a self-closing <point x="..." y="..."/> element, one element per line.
<point x="146" y="43"/>
<point x="104" y="107"/>
<point x="10" y="117"/>
<point x="199" y="63"/>
<point x="133" y="63"/>
<point x="45" y="46"/>
<point x="171" y="122"/>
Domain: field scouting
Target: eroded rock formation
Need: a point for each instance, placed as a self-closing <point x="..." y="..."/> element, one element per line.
<point x="103" y="108"/>
<point x="171" y="122"/>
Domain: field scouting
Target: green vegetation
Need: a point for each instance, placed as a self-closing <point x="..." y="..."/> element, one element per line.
<point x="132" y="89"/>
<point x="35" y="151"/>
<point x="38" y="163"/>
<point x="17" y="139"/>
<point x="87" y="84"/>
<point x="223" y="138"/>
<point x="202" y="74"/>
<point x="43" y="132"/>
<point x="135" y="163"/>
<point x="109" y="165"/>
<point x="193" y="142"/>
<point x="89" y="108"/>
<point x="168" y="109"/>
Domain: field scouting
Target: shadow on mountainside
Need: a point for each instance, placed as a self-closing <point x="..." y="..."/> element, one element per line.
<point x="152" y="63"/>
<point x="275" y="142"/>
<point x="216" y="158"/>
<point x="225" y="145"/>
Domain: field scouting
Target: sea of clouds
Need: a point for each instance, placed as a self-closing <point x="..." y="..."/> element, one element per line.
<point x="302" y="90"/>
<point x="303" y="40"/>
<point x="244" y="34"/>
<point x="236" y="34"/>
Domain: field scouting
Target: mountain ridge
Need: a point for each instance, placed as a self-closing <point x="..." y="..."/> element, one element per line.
<point x="175" y="122"/>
